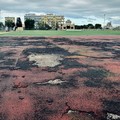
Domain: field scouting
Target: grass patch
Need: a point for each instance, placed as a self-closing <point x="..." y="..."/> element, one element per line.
<point x="60" y="33"/>
<point x="1" y="32"/>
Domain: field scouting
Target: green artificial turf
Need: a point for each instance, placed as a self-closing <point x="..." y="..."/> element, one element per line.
<point x="60" y="32"/>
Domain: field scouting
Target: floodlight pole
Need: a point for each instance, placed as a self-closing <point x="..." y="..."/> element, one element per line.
<point x="104" y="19"/>
<point x="0" y="15"/>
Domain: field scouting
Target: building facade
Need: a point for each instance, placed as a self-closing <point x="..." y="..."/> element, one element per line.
<point x="53" y="20"/>
<point x="68" y="25"/>
<point x="34" y="17"/>
<point x="10" y="19"/>
<point x="50" y="19"/>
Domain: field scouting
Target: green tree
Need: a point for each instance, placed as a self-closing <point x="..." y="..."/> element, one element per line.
<point x="90" y="26"/>
<point x="57" y="26"/>
<point x="1" y="26"/>
<point x="10" y="24"/>
<point x="53" y="25"/>
<point x="85" y="26"/>
<point x="43" y="26"/>
<point x="47" y="27"/>
<point x="29" y="24"/>
<point x="98" y="26"/>
<point x="19" y="22"/>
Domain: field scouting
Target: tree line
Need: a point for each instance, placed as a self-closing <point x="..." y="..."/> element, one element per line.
<point x="32" y="25"/>
<point x="89" y="26"/>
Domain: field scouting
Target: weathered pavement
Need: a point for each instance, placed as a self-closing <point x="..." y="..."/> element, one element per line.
<point x="60" y="78"/>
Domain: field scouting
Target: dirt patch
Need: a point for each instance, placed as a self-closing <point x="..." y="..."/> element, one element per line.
<point x="46" y="60"/>
<point x="52" y="82"/>
<point x="111" y="116"/>
<point x="68" y="83"/>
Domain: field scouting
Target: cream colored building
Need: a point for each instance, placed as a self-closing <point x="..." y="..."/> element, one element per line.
<point x="68" y="25"/>
<point x="51" y="19"/>
<point x="10" y="19"/>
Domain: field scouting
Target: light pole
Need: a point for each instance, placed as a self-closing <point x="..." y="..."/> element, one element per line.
<point x="104" y="19"/>
<point x="0" y="15"/>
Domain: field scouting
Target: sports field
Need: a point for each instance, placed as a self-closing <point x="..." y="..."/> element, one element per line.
<point x="60" y="32"/>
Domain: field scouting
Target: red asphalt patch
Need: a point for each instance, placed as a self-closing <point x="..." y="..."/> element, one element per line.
<point x="89" y="71"/>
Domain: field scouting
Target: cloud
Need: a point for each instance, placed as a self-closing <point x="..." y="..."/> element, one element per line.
<point x="75" y="9"/>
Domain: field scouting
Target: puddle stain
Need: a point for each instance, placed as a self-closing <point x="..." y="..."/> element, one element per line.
<point x="68" y="63"/>
<point x="25" y="64"/>
<point x="55" y="50"/>
<point x="112" y="106"/>
<point x="3" y="116"/>
<point x="96" y="78"/>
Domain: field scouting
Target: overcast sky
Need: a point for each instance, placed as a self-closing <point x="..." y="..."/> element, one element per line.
<point x="79" y="11"/>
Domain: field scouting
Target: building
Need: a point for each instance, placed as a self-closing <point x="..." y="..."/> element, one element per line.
<point x="68" y="25"/>
<point x="50" y="19"/>
<point x="53" y="20"/>
<point x="34" y="17"/>
<point x="10" y="19"/>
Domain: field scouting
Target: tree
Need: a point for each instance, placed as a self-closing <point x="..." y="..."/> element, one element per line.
<point x="47" y="27"/>
<point x="18" y="23"/>
<point x="90" y="26"/>
<point x="85" y="27"/>
<point x="108" y="26"/>
<point x="1" y="26"/>
<point x="78" y="27"/>
<point x="43" y="26"/>
<point x="57" y="26"/>
<point x="54" y="25"/>
<point x="10" y="24"/>
<point x="98" y="26"/>
<point x="29" y="24"/>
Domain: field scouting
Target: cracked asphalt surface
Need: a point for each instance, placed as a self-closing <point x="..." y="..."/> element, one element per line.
<point x="82" y="81"/>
